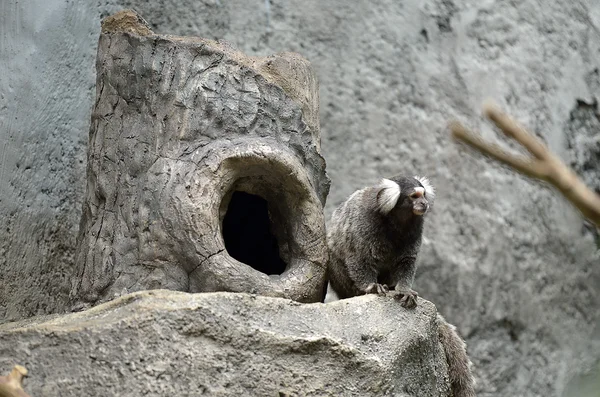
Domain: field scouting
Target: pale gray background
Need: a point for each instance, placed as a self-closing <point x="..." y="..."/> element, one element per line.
<point x="509" y="262"/>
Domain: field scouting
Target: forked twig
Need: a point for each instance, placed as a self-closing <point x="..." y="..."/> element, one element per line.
<point x="543" y="164"/>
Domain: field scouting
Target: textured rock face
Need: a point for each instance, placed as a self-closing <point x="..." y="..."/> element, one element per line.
<point x="161" y="343"/>
<point x="507" y="262"/>
<point x="583" y="139"/>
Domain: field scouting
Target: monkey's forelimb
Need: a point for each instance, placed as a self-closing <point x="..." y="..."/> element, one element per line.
<point x="403" y="276"/>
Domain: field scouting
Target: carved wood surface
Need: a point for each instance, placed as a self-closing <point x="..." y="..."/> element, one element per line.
<point x="179" y="124"/>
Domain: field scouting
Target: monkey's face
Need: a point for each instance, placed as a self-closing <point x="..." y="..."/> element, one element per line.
<point x="412" y="201"/>
<point x="417" y="201"/>
<point x="405" y="196"/>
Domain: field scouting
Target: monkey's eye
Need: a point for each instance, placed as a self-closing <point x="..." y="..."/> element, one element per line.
<point x="416" y="194"/>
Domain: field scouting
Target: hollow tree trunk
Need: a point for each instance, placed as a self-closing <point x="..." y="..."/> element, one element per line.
<point x="179" y="126"/>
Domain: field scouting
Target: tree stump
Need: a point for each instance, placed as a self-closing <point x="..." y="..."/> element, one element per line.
<point x="204" y="170"/>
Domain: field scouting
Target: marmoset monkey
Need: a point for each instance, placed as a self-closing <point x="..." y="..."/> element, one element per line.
<point x="374" y="238"/>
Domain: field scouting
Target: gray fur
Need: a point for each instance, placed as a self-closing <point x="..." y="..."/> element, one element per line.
<point x="459" y="366"/>
<point x="373" y="248"/>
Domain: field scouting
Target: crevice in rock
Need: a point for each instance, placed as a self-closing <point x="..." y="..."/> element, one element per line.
<point x="583" y="146"/>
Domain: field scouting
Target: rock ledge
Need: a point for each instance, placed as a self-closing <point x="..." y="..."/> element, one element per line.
<point x="160" y="342"/>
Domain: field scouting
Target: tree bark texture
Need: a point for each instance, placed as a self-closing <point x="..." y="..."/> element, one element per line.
<point x="178" y="125"/>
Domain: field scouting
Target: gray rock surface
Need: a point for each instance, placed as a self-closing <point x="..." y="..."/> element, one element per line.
<point x="161" y="343"/>
<point x="47" y="54"/>
<point x="505" y="260"/>
<point x="583" y="143"/>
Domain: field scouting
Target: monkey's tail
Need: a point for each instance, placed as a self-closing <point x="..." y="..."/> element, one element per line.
<point x="462" y="381"/>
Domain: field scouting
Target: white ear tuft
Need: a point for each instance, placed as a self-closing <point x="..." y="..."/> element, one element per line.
<point x="429" y="189"/>
<point x="388" y="196"/>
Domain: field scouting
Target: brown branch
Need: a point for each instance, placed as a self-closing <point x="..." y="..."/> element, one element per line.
<point x="494" y="151"/>
<point x="515" y="131"/>
<point x="544" y="165"/>
<point x="12" y="384"/>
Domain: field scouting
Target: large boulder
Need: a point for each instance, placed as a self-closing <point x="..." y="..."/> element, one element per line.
<point x="159" y="343"/>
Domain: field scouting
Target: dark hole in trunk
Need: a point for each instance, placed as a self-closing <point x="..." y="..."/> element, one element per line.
<point x="247" y="234"/>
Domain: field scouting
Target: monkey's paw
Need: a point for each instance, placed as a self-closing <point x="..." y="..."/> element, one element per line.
<point x="375" y="288"/>
<point x="408" y="299"/>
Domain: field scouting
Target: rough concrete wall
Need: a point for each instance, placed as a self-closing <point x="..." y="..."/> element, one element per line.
<point x="508" y="261"/>
<point x="47" y="52"/>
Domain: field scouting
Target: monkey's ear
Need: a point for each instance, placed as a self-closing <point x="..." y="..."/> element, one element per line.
<point x="429" y="189"/>
<point x="387" y="195"/>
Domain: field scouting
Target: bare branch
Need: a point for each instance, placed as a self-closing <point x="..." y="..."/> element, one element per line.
<point x="544" y="165"/>
<point x="12" y="384"/>
<point x="515" y="131"/>
<point x="523" y="165"/>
